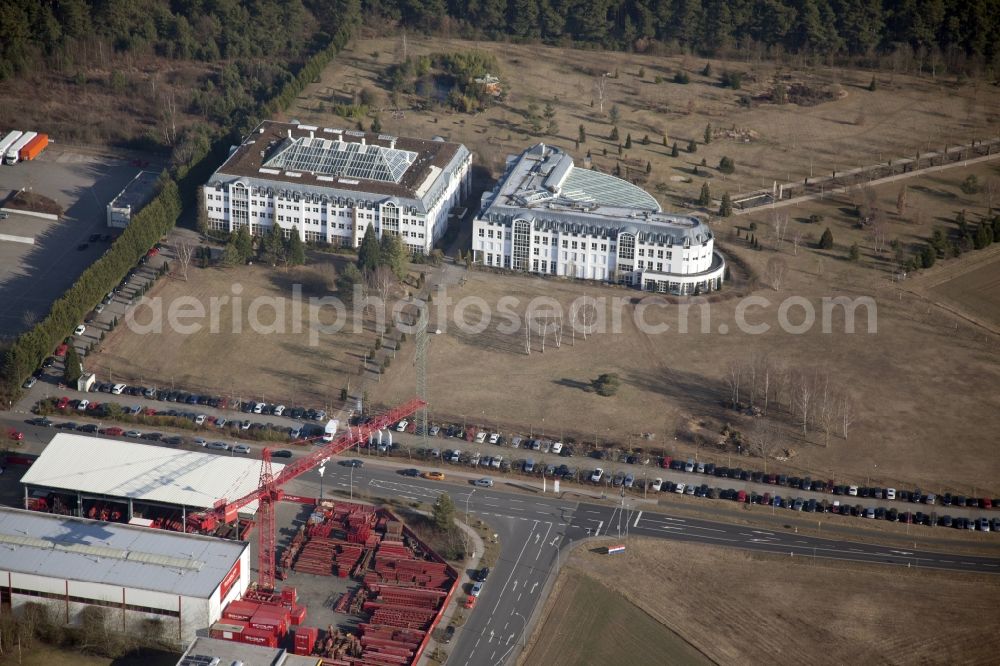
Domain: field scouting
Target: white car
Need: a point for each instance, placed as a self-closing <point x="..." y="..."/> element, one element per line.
<point x="474" y="460"/>
<point x="679" y="489"/>
<point x="455" y="455"/>
<point x="80" y="330"/>
<point x="118" y="389"/>
<point x="476" y="589"/>
<point x="218" y="446"/>
<point x="480" y="437"/>
<point x="852" y="491"/>
<point x="890" y="493"/>
<point x="495" y="463"/>
<point x="83" y="404"/>
<point x="494" y="437"/>
<point x="515" y="443"/>
<point x="401" y="426"/>
<point x="241" y="448"/>
<point x="279" y="410"/>
<point x="536" y="445"/>
<point x="99" y="308"/>
<point x="597" y="475"/>
<point x="245" y="425"/>
<point x="258" y="407"/>
<point x="557" y="447"/>
<point x="200" y="441"/>
<point x="221" y="422"/>
<point x="483" y="483"/>
<point x="134" y="434"/>
<point x="657" y="484"/>
<point x="200" y="419"/>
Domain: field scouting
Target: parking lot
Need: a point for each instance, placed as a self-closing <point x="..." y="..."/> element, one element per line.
<point x="33" y="274"/>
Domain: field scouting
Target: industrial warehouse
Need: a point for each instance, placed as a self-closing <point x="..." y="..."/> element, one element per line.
<point x="177" y="583"/>
<point x="147" y="485"/>
<point x="548" y="216"/>
<point x="331" y="185"/>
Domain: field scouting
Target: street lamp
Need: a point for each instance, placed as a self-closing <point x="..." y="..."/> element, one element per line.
<point x="467" y="498"/>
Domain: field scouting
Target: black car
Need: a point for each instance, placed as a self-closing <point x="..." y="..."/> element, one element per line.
<point x="152" y="436"/>
<point x="281" y="453"/>
<point x="40" y="421"/>
<point x="49" y="362"/>
<point x="67" y="425"/>
<point x="410" y="472"/>
<point x="484" y="573"/>
<point x="37" y="374"/>
<point x="88" y="427"/>
<point x="174" y="441"/>
<point x="296" y="412"/>
<point x="449" y="633"/>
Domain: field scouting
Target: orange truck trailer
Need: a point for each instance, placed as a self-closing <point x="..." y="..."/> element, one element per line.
<point x="32" y="149"/>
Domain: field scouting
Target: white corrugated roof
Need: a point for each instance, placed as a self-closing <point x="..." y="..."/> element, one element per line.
<point x="122" y="555"/>
<point x="144" y="472"/>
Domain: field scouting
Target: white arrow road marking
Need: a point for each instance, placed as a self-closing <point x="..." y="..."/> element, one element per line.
<point x="537" y="537"/>
<point x="597" y="532"/>
<point x="533" y="588"/>
<point x="553" y="542"/>
<point x="636" y="523"/>
<point x="491" y="636"/>
<point x="509" y="639"/>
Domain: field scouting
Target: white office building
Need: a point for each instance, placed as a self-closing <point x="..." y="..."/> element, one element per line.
<point x="332" y="184"/>
<point x="547" y="216"/>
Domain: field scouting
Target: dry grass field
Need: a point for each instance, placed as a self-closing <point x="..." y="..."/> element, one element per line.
<point x="674" y="384"/>
<point x="741" y="608"/>
<point x="281" y="365"/>
<point x="902" y="115"/>
<point x="600" y="626"/>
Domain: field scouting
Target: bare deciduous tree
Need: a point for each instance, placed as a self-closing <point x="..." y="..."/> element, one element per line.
<point x="796" y="240"/>
<point x="878" y="231"/>
<point x="734" y="376"/>
<point x="847" y="413"/>
<point x="763" y="439"/>
<point x="825" y="408"/>
<point x="779" y="221"/>
<point x="776" y="268"/>
<point x="901" y="201"/>
<point x="600" y="87"/>
<point x="381" y="280"/>
<point x="802" y="393"/>
<point x="184" y="254"/>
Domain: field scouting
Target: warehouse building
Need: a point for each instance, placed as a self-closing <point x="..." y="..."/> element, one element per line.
<point x="330" y="185"/>
<point x="145" y="580"/>
<point x="548" y="216"/>
<point x="93" y="477"/>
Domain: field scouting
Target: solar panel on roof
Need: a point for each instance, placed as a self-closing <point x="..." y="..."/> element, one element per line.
<point x="322" y="157"/>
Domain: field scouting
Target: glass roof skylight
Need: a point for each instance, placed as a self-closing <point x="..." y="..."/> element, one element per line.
<point x="338" y="158"/>
<point x="588" y="186"/>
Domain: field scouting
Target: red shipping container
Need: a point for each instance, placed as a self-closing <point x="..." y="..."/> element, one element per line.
<point x="258" y="637"/>
<point x="298" y="615"/>
<point x="305" y="640"/>
<point x="240" y="610"/>
<point x="289" y="594"/>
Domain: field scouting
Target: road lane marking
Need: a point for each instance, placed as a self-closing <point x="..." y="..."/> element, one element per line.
<point x="513" y="569"/>
<point x="597" y="532"/>
<point x="636" y="523"/>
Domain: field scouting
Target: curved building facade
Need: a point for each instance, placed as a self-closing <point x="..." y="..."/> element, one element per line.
<point x="547" y="216"/>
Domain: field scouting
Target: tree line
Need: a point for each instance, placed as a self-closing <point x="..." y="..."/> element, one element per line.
<point x="809" y="397"/>
<point x="928" y="28"/>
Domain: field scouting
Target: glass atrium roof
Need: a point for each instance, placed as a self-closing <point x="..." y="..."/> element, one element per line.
<point x="588" y="186"/>
<point x="342" y="159"/>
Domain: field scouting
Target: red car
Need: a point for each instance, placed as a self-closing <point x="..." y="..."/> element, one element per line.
<point x="15" y="435"/>
<point x="92" y="406"/>
<point x="114" y="431"/>
<point x="470" y="602"/>
<point x="153" y="251"/>
<point x="665" y="463"/>
<point x="149" y="411"/>
<point x="63" y="403"/>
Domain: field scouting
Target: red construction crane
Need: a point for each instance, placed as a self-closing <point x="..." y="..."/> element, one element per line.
<point x="271" y="487"/>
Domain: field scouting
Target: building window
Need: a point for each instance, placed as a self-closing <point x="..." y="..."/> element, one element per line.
<point x="482" y="233"/>
<point x="626" y="246"/>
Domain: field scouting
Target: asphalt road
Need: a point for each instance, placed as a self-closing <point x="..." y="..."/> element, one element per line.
<point x="536" y="531"/>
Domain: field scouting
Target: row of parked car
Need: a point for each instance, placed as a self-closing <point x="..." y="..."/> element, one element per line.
<point x="810" y="505"/>
<point x="100" y="410"/>
<point x="172" y="440"/>
<point x="218" y="402"/>
<point x="806" y="483"/>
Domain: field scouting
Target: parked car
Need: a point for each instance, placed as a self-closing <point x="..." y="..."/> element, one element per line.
<point x="242" y="448"/>
<point x="83" y="405"/>
<point x="657" y="484"/>
<point x="477" y="588"/>
<point x="401" y="426"/>
<point x="15" y="435"/>
<point x="494" y="437"/>
<point x="80" y="330"/>
<point x="217" y="446"/>
<point x="135" y="434"/>
<point x="597" y="475"/>
<point x="480" y="437"/>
